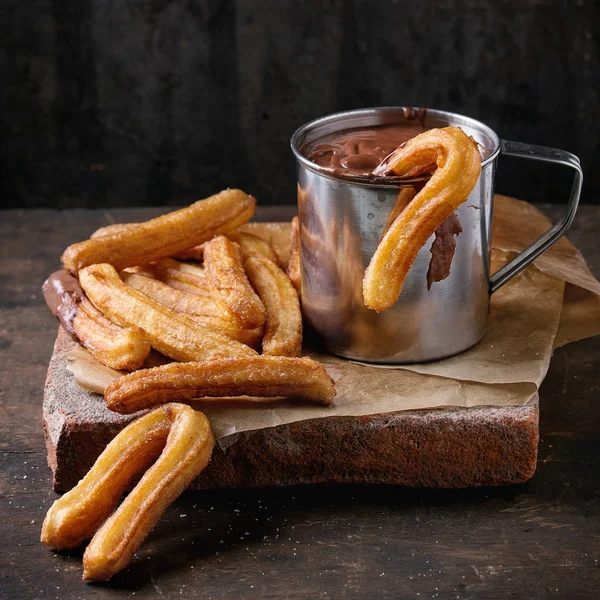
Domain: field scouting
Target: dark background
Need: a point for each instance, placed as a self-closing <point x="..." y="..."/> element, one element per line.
<point x="150" y="102"/>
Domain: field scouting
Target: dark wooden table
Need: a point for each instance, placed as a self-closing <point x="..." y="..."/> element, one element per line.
<point x="539" y="540"/>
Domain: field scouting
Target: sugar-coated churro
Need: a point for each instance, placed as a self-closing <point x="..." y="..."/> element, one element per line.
<point x="229" y="284"/>
<point x="174" y="334"/>
<point x="458" y="166"/>
<point x="258" y="376"/>
<point x="283" y="327"/>
<point x="164" y="236"/>
<point x="181" y="301"/>
<point x="122" y="348"/>
<point x="250" y="245"/>
<point x="179" y="439"/>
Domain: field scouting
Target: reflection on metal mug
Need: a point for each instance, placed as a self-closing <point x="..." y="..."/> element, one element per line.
<point x="342" y="220"/>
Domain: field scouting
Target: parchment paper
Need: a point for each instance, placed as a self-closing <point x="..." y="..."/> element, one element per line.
<point x="551" y="303"/>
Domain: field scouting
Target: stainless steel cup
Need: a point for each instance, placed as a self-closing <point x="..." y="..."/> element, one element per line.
<point x="342" y="220"/>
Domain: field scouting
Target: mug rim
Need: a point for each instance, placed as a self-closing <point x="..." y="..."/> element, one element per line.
<point x="384" y="181"/>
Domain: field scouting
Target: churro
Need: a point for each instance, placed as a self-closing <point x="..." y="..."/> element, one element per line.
<point x="180" y="275"/>
<point x="164" y="236"/>
<point x="458" y="166"/>
<point x="250" y="245"/>
<point x="179" y="439"/>
<point x="113" y="229"/>
<point x="283" y="327"/>
<point x="122" y="348"/>
<point x="202" y="309"/>
<point x="277" y="234"/>
<point x="179" y="300"/>
<point x="174" y="334"/>
<point x="229" y="284"/>
<point x="257" y="376"/>
<point x="228" y="326"/>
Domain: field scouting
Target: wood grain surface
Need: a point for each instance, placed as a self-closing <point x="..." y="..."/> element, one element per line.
<point x="538" y="540"/>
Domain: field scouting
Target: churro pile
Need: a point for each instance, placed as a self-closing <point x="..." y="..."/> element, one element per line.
<point x="214" y="305"/>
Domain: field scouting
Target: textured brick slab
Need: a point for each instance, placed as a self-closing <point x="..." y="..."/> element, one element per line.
<point x="430" y="448"/>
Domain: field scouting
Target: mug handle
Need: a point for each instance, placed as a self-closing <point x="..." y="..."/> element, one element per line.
<point x="548" y="155"/>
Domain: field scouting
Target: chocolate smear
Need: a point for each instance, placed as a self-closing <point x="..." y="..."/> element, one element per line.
<point x="442" y="249"/>
<point x="62" y="294"/>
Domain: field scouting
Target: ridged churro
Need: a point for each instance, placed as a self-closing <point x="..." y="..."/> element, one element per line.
<point x="122" y="348"/>
<point x="258" y="376"/>
<point x="277" y="234"/>
<point x="202" y="309"/>
<point x="458" y="166"/>
<point x="174" y="334"/>
<point x="164" y="236"/>
<point x="112" y="229"/>
<point x="229" y="284"/>
<point x="182" y="276"/>
<point x="228" y="326"/>
<point x="181" y="301"/>
<point x="250" y="245"/>
<point x="179" y="439"/>
<point x="283" y="327"/>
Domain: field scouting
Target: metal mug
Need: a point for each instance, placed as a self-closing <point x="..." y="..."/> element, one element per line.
<point x="341" y="222"/>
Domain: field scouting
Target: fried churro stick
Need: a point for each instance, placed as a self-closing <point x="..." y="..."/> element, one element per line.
<point x="229" y="284"/>
<point x="276" y="233"/>
<point x="283" y="327"/>
<point x="201" y="308"/>
<point x="174" y="334"/>
<point x="404" y="198"/>
<point x="122" y="348"/>
<point x="253" y="245"/>
<point x="182" y="276"/>
<point x="293" y="269"/>
<point x="458" y="166"/>
<point x="182" y="441"/>
<point x="228" y="326"/>
<point x="258" y="376"/>
<point x="250" y="245"/>
<point x="163" y="236"/>
<point x="179" y="300"/>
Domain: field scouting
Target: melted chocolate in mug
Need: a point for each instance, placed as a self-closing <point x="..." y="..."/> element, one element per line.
<point x="358" y="151"/>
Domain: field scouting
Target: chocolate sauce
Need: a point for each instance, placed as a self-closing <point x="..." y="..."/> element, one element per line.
<point x="358" y="152"/>
<point x="62" y="294"/>
<point x="442" y="249"/>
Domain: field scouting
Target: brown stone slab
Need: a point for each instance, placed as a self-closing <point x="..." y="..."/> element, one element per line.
<point x="447" y="448"/>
